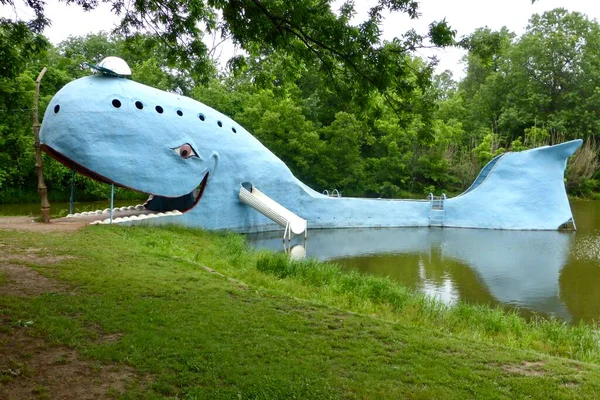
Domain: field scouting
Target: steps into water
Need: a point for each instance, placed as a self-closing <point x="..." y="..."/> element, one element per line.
<point x="436" y="212"/>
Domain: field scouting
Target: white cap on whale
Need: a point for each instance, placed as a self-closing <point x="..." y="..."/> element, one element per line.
<point x="112" y="66"/>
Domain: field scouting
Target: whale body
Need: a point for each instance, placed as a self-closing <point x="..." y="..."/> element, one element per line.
<point x="172" y="147"/>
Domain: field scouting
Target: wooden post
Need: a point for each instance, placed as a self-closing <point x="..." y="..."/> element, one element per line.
<point x="42" y="190"/>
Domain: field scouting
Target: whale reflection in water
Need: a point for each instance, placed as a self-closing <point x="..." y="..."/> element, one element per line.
<point x="519" y="269"/>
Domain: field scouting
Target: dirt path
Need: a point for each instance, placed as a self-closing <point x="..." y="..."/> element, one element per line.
<point x="28" y="224"/>
<point x="30" y="368"/>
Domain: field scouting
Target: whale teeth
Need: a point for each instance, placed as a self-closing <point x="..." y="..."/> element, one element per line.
<point x="70" y="215"/>
<point x="122" y="208"/>
<point x="140" y="207"/>
<point x="131" y="207"/>
<point x="117" y="220"/>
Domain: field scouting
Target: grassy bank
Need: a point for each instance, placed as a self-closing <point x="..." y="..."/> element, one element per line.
<point x="264" y="327"/>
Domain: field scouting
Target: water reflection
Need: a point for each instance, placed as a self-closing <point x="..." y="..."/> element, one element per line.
<point x="518" y="269"/>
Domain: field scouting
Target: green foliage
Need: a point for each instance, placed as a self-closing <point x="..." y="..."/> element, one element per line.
<point x="352" y="55"/>
<point x="20" y="49"/>
<point x="336" y="119"/>
<point x="488" y="148"/>
<point x="546" y="79"/>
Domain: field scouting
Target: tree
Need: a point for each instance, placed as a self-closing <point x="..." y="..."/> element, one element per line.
<point x="308" y="30"/>
<point x="547" y="78"/>
<point x="19" y="48"/>
<point x="557" y="62"/>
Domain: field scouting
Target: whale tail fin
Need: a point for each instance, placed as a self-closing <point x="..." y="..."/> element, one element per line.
<point x="521" y="190"/>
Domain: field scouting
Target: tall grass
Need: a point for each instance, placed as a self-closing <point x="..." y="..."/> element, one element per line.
<point x="390" y="300"/>
<point x="350" y="291"/>
<point x="581" y="168"/>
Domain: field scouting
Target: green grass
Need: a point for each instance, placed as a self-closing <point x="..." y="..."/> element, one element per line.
<point x="283" y="329"/>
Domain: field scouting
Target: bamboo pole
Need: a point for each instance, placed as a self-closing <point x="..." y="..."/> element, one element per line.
<point x="42" y="189"/>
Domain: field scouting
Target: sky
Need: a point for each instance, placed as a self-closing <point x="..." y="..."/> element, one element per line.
<point x="463" y="15"/>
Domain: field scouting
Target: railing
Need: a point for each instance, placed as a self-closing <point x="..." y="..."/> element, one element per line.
<point x="334" y="193"/>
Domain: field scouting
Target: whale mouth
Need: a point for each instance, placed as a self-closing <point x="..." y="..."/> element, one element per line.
<point x="155" y="207"/>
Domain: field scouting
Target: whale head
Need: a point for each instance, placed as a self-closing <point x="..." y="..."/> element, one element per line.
<point x="121" y="132"/>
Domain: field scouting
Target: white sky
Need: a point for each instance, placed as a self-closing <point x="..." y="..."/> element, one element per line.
<point x="463" y="15"/>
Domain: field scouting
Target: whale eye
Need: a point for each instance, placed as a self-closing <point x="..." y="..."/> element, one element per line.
<point x="185" y="151"/>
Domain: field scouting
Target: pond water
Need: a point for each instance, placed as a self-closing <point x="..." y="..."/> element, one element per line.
<point x="549" y="273"/>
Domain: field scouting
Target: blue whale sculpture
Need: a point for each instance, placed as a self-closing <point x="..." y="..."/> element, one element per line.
<point x="194" y="160"/>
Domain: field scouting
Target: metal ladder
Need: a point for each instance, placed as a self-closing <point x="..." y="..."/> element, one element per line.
<point x="436" y="212"/>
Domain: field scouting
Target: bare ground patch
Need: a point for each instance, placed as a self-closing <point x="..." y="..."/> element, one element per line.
<point x="29" y="369"/>
<point x="29" y="255"/>
<point x="29" y="224"/>
<point x="23" y="281"/>
<point x="526" y="368"/>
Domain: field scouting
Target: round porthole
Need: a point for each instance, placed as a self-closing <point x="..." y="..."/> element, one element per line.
<point x="159" y="109"/>
<point x="201" y="116"/>
<point x="180" y="113"/>
<point x="233" y="130"/>
<point x="220" y="124"/>
<point x="56" y="109"/>
<point x="116" y="103"/>
<point x="139" y="105"/>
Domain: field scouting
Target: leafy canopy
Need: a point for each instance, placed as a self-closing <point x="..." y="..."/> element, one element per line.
<point x="309" y="30"/>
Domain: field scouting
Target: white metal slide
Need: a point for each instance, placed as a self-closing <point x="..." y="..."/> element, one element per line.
<point x="256" y="199"/>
